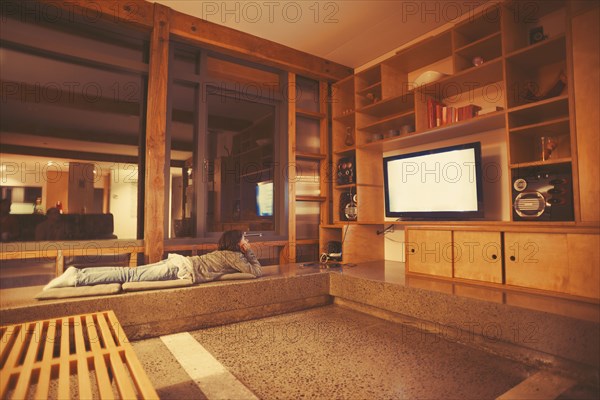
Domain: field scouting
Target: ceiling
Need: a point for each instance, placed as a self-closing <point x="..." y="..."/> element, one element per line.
<point x="349" y="32"/>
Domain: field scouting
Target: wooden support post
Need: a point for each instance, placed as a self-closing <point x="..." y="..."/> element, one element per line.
<point x="156" y="125"/>
<point x="291" y="247"/>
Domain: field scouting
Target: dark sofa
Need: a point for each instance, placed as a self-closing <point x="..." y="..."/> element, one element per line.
<point x="79" y="226"/>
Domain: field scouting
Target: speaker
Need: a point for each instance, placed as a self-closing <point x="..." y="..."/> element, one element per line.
<point x="543" y="193"/>
<point x="346" y="171"/>
<point x="348" y="207"/>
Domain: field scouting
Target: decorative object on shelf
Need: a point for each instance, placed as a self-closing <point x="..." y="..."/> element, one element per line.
<point x="477" y="61"/>
<point x="346" y="171"/>
<point x="376" y="136"/>
<point x="531" y="89"/>
<point x="537" y="35"/>
<point x="429" y="77"/>
<point x="372" y="98"/>
<point x="347" y="111"/>
<point x="548" y="145"/>
<point x="348" y="206"/>
<point x="488" y="110"/>
<point x="392" y="133"/>
<point x="349" y="138"/>
<point x="406" y="129"/>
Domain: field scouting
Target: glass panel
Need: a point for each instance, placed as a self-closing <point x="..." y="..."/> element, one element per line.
<point x="71" y="131"/>
<point x="307" y="94"/>
<point x="307" y="178"/>
<point x="183" y="131"/>
<point x="240" y="170"/>
<point x="308" y="136"/>
<point x="307" y="219"/>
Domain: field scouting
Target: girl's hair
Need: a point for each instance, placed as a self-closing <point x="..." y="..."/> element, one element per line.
<point x="230" y="240"/>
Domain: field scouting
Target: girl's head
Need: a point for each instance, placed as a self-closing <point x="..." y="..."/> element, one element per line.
<point x="230" y="240"/>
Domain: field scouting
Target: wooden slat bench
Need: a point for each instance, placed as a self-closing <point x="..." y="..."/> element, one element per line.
<point x="84" y="356"/>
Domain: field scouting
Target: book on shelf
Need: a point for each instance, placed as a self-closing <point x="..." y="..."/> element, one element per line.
<point x="439" y="114"/>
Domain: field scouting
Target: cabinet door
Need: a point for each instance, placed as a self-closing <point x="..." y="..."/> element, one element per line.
<point x="429" y="252"/>
<point x="477" y="255"/>
<point x="537" y="260"/>
<point x="584" y="265"/>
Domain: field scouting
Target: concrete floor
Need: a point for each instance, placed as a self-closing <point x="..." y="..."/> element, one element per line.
<point x="336" y="353"/>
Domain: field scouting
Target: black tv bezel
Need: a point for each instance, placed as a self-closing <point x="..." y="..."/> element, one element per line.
<point x="437" y="215"/>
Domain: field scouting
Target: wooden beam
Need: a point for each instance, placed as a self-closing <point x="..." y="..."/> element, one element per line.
<point x="136" y="12"/>
<point x="243" y="45"/>
<point x="156" y="126"/>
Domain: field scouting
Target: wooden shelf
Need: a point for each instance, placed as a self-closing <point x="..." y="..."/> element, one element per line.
<point x="347" y="186"/>
<point x="540" y="163"/>
<point x="558" y="126"/>
<point x="345" y="119"/>
<point x="310" y="156"/>
<point x="374" y="87"/>
<point x="466" y="80"/>
<point x="483" y="123"/>
<point x="310" y="114"/>
<point x="311" y="198"/>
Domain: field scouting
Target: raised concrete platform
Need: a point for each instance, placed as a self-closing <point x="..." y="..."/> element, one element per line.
<point x="536" y="329"/>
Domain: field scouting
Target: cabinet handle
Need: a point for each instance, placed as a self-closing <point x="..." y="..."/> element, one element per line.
<point x="512" y="258"/>
<point x="412" y="250"/>
<point x="494" y="256"/>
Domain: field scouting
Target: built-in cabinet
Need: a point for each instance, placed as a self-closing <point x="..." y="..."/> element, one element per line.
<point x="516" y="70"/>
<point x="559" y="262"/>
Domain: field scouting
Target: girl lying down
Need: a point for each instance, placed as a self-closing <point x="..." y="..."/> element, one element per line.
<point x="234" y="254"/>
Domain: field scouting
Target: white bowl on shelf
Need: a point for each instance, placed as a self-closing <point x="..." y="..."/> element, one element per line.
<point x="428" y="77"/>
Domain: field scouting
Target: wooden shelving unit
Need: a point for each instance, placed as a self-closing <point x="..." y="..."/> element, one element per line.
<point x="378" y="105"/>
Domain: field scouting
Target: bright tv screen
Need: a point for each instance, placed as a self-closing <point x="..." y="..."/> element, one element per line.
<point x="264" y="199"/>
<point x="443" y="183"/>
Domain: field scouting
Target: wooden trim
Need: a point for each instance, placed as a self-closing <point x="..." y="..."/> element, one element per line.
<point x="311" y="198"/>
<point x="326" y="172"/>
<point x="156" y="126"/>
<point x="291" y="249"/>
<point x="239" y="44"/>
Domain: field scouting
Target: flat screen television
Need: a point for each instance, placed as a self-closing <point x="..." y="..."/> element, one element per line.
<point x="442" y="183"/>
<point x="264" y="199"/>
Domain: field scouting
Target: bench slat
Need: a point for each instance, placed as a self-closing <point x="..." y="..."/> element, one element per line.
<point x="126" y="389"/>
<point x="15" y="348"/>
<point x="102" y="378"/>
<point x="46" y="366"/>
<point x="83" y="372"/>
<point x="64" y="365"/>
<point x="24" y="379"/>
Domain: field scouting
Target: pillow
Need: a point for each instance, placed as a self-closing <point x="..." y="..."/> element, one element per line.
<point x="80" y="291"/>
<point x="235" y="276"/>
<point x="153" y="285"/>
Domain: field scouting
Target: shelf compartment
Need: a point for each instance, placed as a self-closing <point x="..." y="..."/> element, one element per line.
<point x="489" y="48"/>
<point x="552" y="127"/>
<point x="463" y="81"/>
<point x="390" y="106"/>
<point x="546" y="52"/>
<point x="533" y="113"/>
<point x="470" y="31"/>
<point x="423" y="54"/>
<point x="472" y="126"/>
<point x="392" y="122"/>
